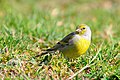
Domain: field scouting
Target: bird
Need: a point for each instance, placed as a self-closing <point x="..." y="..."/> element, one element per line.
<point x="74" y="44"/>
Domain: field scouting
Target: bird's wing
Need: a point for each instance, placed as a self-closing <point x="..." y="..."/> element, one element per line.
<point x="64" y="42"/>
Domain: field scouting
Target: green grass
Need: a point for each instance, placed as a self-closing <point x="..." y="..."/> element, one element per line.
<point x="28" y="27"/>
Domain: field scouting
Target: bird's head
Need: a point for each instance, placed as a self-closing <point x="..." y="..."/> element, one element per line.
<point x="82" y="29"/>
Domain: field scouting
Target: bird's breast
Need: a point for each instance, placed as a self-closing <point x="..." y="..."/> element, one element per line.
<point x="82" y="45"/>
<point x="78" y="48"/>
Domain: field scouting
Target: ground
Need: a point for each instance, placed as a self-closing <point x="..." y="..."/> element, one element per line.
<point x="27" y="27"/>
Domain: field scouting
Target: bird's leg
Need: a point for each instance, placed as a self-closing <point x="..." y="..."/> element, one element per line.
<point x="72" y="65"/>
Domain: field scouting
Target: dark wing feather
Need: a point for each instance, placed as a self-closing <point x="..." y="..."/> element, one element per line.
<point x="61" y="44"/>
<point x="68" y="37"/>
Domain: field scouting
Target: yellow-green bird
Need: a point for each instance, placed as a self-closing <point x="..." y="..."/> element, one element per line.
<point x="74" y="44"/>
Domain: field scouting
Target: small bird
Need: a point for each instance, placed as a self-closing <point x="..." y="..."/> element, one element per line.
<point x="74" y="44"/>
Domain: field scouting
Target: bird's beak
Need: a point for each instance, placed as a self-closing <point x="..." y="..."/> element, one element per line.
<point x="78" y="30"/>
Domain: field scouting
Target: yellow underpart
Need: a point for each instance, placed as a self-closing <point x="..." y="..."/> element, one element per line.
<point x="79" y="48"/>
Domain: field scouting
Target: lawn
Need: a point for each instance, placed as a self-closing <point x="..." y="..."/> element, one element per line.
<point x="27" y="27"/>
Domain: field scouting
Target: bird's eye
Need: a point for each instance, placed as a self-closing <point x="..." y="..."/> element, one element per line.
<point x="83" y="28"/>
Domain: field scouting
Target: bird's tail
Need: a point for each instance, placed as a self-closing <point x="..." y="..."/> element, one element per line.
<point x="48" y="51"/>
